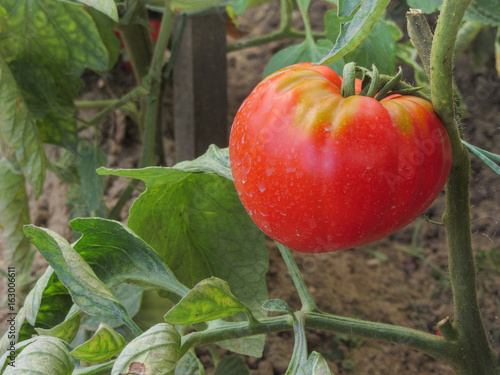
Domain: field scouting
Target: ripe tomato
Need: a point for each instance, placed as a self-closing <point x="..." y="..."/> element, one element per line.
<point x="319" y="172"/>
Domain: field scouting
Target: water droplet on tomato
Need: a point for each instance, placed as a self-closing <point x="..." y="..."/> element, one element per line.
<point x="245" y="168"/>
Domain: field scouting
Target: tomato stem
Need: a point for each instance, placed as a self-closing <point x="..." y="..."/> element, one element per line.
<point x="390" y="86"/>
<point x="306" y="298"/>
<point x="299" y="355"/>
<point x="474" y="354"/>
<point x="374" y="79"/>
<point x="376" y="85"/>
<point x="447" y="330"/>
<point x="349" y="81"/>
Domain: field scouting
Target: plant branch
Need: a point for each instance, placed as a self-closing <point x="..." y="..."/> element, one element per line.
<point x="234" y="331"/>
<point x="136" y="93"/>
<point x="285" y="31"/>
<point x="433" y="345"/>
<point x="128" y="108"/>
<point x="476" y="356"/>
<point x="154" y="79"/>
<point x="430" y="344"/>
<point x="421" y="37"/>
<point x="306" y="298"/>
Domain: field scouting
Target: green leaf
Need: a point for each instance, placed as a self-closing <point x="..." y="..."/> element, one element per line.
<point x="194" y="5"/>
<point x="315" y="365"/>
<point x="482" y="48"/>
<point x="130" y="296"/>
<point x="333" y="24"/>
<point x="59" y="130"/>
<point x="107" y="7"/>
<point x="278" y="305"/>
<point x="198" y="226"/>
<point x="34" y="298"/>
<point x="45" y="356"/>
<point x="11" y="335"/>
<point x="346" y="8"/>
<point x="153" y="309"/>
<point x="232" y="365"/>
<point x="61" y="36"/>
<point x="101" y="369"/>
<point x="92" y="185"/>
<point x="7" y="356"/>
<point x="37" y="87"/>
<point x="80" y="207"/>
<point x="485" y="11"/>
<point x="189" y="364"/>
<point x="18" y="131"/>
<point x="486" y="157"/>
<point x="104" y="344"/>
<point x="215" y="160"/>
<point x="66" y="330"/>
<point x="49" y="304"/>
<point x="66" y="168"/>
<point x="210" y="299"/>
<point x="427" y="6"/>
<point x="117" y="255"/>
<point x="87" y="291"/>
<point x="45" y="306"/>
<point x="352" y="33"/>
<point x="154" y="352"/>
<point x="408" y="54"/>
<point x="50" y="108"/>
<point x="306" y="51"/>
<point x="15" y="213"/>
<point x="105" y="27"/>
<point x="378" y="48"/>
<point x="237" y="7"/>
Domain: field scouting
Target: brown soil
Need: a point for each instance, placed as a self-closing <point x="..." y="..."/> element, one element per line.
<point x="379" y="282"/>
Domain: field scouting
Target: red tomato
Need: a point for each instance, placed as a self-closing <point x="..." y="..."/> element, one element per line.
<point x="319" y="172"/>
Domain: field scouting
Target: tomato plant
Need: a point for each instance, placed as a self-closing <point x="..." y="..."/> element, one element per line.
<point x="321" y="163"/>
<point x="319" y="172"/>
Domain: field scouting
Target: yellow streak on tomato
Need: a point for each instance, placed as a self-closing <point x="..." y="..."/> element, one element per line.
<point x="400" y="116"/>
<point x="316" y="105"/>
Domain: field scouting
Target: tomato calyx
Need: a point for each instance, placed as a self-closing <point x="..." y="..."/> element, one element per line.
<point x="374" y="84"/>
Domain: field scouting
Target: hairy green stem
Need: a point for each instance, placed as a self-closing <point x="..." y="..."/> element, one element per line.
<point x="234" y="331"/>
<point x="421" y="37"/>
<point x="154" y="79"/>
<point x="128" y="108"/>
<point x="135" y="94"/>
<point x="299" y="355"/>
<point x="476" y="356"/>
<point x="430" y="344"/>
<point x="306" y="298"/>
